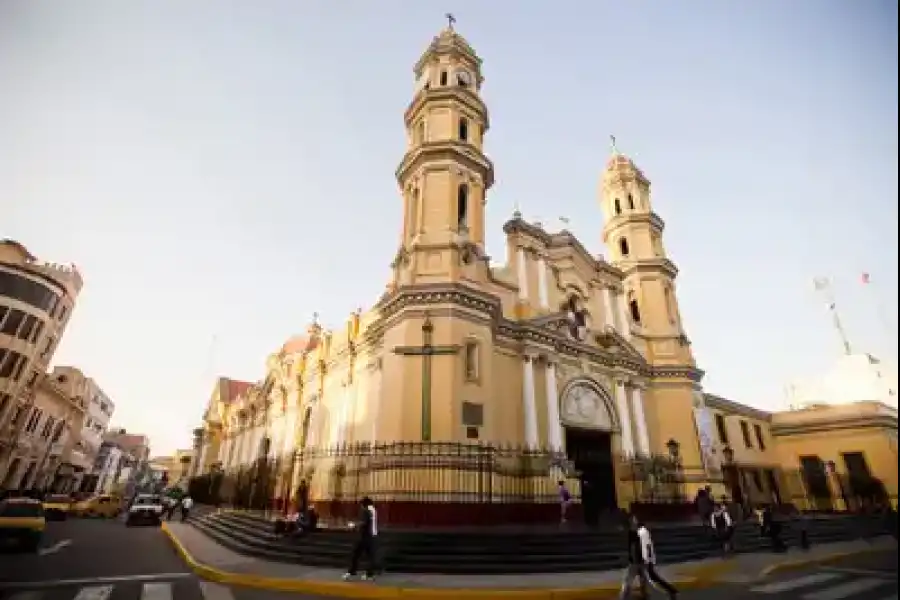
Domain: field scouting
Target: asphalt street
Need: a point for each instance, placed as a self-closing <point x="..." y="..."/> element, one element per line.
<point x="88" y="559"/>
<point x="104" y="560"/>
<point x="864" y="577"/>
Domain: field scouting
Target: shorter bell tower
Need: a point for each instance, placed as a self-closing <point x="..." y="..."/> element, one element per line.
<point x="634" y="235"/>
<point x="444" y="174"/>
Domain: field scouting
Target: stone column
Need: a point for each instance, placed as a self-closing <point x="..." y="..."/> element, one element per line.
<point x="637" y="405"/>
<point x="522" y="271"/>
<point x="543" y="292"/>
<point x="554" y="427"/>
<point x="624" y="419"/>
<point x="609" y="301"/>
<point x="528" y="403"/>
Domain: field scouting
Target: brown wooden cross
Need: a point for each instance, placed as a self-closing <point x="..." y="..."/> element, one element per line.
<point x="426" y="351"/>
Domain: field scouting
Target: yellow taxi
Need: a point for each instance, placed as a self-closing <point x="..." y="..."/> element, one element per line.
<point x="57" y="507"/>
<point x="21" y="523"/>
<point x="104" y="506"/>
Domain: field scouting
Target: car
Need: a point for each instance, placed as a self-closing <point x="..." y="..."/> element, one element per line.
<point x="22" y="523"/>
<point x="106" y="506"/>
<point x="147" y="509"/>
<point x="57" y="507"/>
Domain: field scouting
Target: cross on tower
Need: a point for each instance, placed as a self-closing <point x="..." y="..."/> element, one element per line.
<point x="451" y="20"/>
<point x="426" y="351"/>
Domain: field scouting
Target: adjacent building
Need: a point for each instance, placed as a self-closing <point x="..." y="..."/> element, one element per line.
<point x="36" y="302"/>
<point x="121" y="464"/>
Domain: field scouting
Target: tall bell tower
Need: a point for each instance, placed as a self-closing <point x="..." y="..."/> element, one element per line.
<point x="444" y="175"/>
<point x="634" y="235"/>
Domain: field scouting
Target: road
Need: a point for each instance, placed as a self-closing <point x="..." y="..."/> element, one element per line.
<point x="104" y="560"/>
<point x="865" y="577"/>
<point x="97" y="559"/>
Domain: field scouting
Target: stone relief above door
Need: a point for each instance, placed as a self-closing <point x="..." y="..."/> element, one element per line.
<point x="584" y="405"/>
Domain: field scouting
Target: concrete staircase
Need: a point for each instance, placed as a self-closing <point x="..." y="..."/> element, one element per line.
<point x="486" y="551"/>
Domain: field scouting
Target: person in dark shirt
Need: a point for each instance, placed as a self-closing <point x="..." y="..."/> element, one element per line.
<point x="367" y="532"/>
<point x="635" y="567"/>
<point x="642" y="550"/>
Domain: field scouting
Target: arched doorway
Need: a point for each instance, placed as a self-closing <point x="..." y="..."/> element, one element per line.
<point x="589" y="422"/>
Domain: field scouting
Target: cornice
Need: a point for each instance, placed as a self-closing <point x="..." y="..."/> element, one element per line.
<point x="521" y="334"/>
<point x="730" y="407"/>
<point x="651" y="265"/>
<point x="448" y="150"/>
<point x="441" y="95"/>
<point x="833" y="425"/>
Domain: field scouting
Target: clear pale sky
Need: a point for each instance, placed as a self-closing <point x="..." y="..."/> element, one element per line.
<point x="221" y="170"/>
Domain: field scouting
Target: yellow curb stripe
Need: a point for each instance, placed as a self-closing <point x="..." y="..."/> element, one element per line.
<point x="697" y="578"/>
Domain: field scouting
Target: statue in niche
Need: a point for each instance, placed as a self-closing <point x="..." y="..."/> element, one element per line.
<point x="577" y="319"/>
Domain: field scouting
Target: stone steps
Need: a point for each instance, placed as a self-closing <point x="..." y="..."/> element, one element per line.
<point x="494" y="552"/>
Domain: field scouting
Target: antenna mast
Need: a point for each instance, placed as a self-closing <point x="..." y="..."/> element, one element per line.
<point x="825" y="289"/>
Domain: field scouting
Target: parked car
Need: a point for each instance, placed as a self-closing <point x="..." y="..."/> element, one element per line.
<point x="57" y="507"/>
<point x="104" y="506"/>
<point x="22" y="523"/>
<point x="147" y="509"/>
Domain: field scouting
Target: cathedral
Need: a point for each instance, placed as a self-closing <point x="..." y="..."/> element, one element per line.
<point x="577" y="361"/>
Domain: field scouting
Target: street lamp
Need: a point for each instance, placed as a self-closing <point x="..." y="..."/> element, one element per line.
<point x="674" y="449"/>
<point x="728" y="453"/>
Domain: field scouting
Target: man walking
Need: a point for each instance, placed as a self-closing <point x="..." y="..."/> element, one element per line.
<point x="647" y="566"/>
<point x="367" y="530"/>
<point x="724" y="527"/>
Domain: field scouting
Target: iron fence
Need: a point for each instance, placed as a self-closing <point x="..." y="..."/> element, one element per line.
<point x="445" y="472"/>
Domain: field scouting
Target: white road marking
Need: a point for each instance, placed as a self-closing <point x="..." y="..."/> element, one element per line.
<point x="792" y="584"/>
<point x="156" y="591"/>
<point x="215" y="591"/>
<point x="54" y="548"/>
<point x="94" y="592"/>
<point x="35" y="585"/>
<point x="868" y="572"/>
<point x="848" y="589"/>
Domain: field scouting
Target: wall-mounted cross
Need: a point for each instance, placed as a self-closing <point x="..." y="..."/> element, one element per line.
<point x="426" y="351"/>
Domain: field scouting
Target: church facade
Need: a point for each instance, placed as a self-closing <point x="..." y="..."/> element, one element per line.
<point x="577" y="361"/>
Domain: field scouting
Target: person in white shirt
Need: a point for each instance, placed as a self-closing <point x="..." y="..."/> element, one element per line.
<point x="186" y="504"/>
<point x="647" y="558"/>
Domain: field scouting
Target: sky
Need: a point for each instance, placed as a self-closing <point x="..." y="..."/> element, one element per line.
<point x="221" y="170"/>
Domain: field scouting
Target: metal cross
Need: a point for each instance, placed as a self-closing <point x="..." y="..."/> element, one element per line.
<point x="426" y="351"/>
<point x="615" y="148"/>
<point x="450" y="20"/>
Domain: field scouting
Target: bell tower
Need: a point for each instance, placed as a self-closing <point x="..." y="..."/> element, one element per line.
<point x="444" y="175"/>
<point x="633" y="234"/>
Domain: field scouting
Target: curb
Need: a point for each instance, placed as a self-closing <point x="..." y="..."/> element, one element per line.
<point x="803" y="563"/>
<point x="698" y="578"/>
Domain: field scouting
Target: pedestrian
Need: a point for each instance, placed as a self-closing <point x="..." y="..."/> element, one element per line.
<point x="367" y="534"/>
<point x="303" y="496"/>
<point x="635" y="567"/>
<point x="772" y="527"/>
<point x="704" y="505"/>
<point x="647" y="570"/>
<point x="187" y="503"/>
<point x="170" y="505"/>
<point x="565" y="500"/>
<point x="724" y="527"/>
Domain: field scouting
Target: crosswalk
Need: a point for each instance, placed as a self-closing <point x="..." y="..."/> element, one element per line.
<point x="833" y="584"/>
<point x="130" y="589"/>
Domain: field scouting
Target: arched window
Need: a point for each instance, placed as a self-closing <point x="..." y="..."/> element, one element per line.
<point x="444" y="77"/>
<point x="623" y="246"/>
<point x="462" y="207"/>
<point x="463" y="129"/>
<point x="617" y="206"/>
<point x="634" y="309"/>
<point x="630" y="201"/>
<point x="472" y="363"/>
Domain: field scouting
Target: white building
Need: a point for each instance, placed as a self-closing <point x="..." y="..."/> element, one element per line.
<point x="96" y="423"/>
<point x="854" y="378"/>
<point x="108" y="468"/>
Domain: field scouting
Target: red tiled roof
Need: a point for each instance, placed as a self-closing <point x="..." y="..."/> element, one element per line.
<point x="300" y="343"/>
<point x="235" y="388"/>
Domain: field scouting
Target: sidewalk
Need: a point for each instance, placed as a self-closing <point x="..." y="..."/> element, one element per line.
<point x="217" y="563"/>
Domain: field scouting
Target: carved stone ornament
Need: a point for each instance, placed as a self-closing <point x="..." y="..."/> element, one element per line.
<point x="583" y="405"/>
<point x="401" y="259"/>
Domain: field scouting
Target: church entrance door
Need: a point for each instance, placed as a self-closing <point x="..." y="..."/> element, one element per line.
<point x="591" y="452"/>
